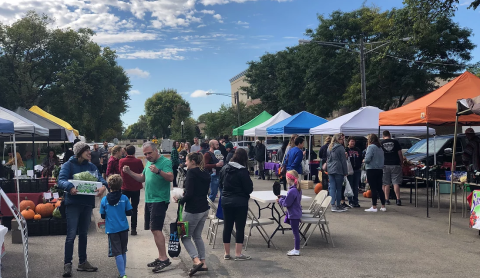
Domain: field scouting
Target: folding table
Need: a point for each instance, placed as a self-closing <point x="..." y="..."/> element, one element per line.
<point x="267" y="197"/>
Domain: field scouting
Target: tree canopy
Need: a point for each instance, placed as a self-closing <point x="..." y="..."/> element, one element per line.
<point x="65" y="73"/>
<point x="324" y="75"/>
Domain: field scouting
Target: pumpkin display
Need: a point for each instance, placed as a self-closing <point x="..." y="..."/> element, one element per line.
<point x="369" y="193"/>
<point x="28" y="213"/>
<point x="318" y="187"/>
<point x="45" y="209"/>
<point x="27" y="203"/>
<point x="365" y="194"/>
<point x="37" y="217"/>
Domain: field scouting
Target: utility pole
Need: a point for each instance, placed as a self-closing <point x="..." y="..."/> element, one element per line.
<point x="362" y="73"/>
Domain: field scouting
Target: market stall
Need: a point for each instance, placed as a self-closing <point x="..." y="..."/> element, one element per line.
<point x="261" y="129"/>
<point x="362" y="122"/>
<point x="438" y="108"/>
<point x="37" y="110"/>
<point x="261" y="118"/>
<point x="56" y="131"/>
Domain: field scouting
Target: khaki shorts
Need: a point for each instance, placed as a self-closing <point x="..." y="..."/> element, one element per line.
<point x="392" y="174"/>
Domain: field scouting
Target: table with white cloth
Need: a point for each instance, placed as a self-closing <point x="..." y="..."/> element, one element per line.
<point x="268" y="198"/>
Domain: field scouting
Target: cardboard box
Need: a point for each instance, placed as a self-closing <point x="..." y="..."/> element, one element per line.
<point x="86" y="187"/>
<point x="306" y="184"/>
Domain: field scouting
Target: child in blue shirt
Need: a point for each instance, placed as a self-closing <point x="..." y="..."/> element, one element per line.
<point x="115" y="208"/>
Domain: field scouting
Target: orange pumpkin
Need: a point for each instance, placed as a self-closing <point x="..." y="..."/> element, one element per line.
<point x="58" y="203"/>
<point x="27" y="203"/>
<point x="37" y="217"/>
<point x="318" y="187"/>
<point x="369" y="193"/>
<point x="53" y="201"/>
<point x="365" y="194"/>
<point x="45" y="209"/>
<point x="28" y="213"/>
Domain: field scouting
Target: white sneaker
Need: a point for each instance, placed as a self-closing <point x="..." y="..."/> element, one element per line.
<point x="383" y="209"/>
<point x="371" y="210"/>
<point x="293" y="252"/>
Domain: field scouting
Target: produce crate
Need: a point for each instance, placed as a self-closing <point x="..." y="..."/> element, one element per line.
<point x="27" y="186"/>
<point x="8" y="186"/>
<point x="58" y="226"/>
<point x="444" y="188"/>
<point x="306" y="184"/>
<point x="39" y="227"/>
<point x="42" y="185"/>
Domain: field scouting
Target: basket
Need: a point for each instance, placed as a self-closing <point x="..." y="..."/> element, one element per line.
<point x="38" y="227"/>
<point x="8" y="186"/>
<point x="58" y="226"/>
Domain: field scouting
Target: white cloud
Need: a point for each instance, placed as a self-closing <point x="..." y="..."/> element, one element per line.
<point x="291" y="38"/>
<point x="220" y="2"/>
<point x="134" y="92"/>
<point x="165" y="54"/>
<point x="122" y="37"/>
<point x="207" y="11"/>
<point x="199" y="93"/>
<point x="218" y="17"/>
<point x="201" y="26"/>
<point x="468" y="2"/>
<point x="242" y="22"/>
<point x="136" y="72"/>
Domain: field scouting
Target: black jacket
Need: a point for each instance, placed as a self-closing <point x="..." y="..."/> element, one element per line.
<point x="229" y="156"/>
<point x="251" y="152"/>
<point x="197" y="184"/>
<point x="260" y="151"/>
<point x="223" y="150"/>
<point x="323" y="153"/>
<point x="236" y="185"/>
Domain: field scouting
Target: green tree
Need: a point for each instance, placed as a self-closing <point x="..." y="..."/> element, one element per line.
<point x="138" y="130"/>
<point x="162" y="108"/>
<point x="64" y="72"/>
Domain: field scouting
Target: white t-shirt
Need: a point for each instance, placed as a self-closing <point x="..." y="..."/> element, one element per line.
<point x="195" y="148"/>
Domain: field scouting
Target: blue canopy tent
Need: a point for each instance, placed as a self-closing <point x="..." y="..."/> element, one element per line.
<point x="6" y="127"/>
<point x="300" y="123"/>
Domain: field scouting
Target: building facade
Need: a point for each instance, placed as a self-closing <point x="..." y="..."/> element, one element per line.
<point x="236" y="83"/>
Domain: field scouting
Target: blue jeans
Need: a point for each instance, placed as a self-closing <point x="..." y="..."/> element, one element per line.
<point x="335" y="187"/>
<point x="354" y="181"/>
<point x="78" y="218"/>
<point x="214" y="182"/>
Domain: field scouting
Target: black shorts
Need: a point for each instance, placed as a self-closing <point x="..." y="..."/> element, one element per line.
<point x="117" y="243"/>
<point x="104" y="168"/>
<point x="155" y="215"/>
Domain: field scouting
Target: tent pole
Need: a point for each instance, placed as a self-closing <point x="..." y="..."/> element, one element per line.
<point x="427" y="170"/>
<point x="452" y="169"/>
<point x="33" y="147"/>
<point x="378" y="131"/>
<point x="16" y="171"/>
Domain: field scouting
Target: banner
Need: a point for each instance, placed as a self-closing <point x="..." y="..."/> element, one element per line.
<point x="475" y="211"/>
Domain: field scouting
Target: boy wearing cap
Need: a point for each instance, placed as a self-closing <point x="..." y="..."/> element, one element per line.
<point x="78" y="208"/>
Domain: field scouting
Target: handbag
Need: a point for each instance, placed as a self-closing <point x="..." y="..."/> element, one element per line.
<point x="305" y="167"/>
<point x="349" y="167"/>
<point x="276" y="188"/>
<point x="182" y="226"/>
<point x="348" y="188"/>
<point x="174" y="247"/>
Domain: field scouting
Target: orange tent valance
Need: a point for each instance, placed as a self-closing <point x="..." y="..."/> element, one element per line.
<point x="437" y="108"/>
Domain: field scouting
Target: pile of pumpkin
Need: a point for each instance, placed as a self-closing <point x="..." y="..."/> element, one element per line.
<point x="42" y="210"/>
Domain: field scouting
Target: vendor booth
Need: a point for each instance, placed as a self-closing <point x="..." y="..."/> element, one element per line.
<point x="264" y="116"/>
<point x="300" y="123"/>
<point x="362" y="122"/>
<point x="261" y="129"/>
<point x="436" y="109"/>
<point x="37" y="110"/>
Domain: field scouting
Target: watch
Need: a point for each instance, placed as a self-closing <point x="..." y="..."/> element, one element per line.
<point x="159" y="172"/>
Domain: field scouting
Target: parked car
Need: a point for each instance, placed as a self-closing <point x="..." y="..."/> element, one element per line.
<point x="407" y="142"/>
<point x="439" y="146"/>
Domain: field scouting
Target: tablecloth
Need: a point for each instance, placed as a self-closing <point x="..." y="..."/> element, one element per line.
<point x="35" y="197"/>
<point x="272" y="166"/>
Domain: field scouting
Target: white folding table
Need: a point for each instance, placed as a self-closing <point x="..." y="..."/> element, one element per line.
<point x="267" y="197"/>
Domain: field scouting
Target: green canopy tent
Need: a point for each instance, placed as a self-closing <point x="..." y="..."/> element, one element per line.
<point x="260" y="119"/>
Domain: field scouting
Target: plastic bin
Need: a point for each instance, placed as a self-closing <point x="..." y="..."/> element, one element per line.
<point x="39" y="227"/>
<point x="58" y="226"/>
<point x="444" y="188"/>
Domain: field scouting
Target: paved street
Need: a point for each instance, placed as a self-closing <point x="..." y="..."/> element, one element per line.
<point x="399" y="243"/>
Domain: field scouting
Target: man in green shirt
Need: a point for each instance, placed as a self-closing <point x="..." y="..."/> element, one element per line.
<point x="157" y="176"/>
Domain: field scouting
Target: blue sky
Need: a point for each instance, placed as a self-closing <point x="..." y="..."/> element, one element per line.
<point x="195" y="46"/>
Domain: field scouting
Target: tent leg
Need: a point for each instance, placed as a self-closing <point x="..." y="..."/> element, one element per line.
<point x="453" y="168"/>
<point x="378" y="131"/>
<point x="33" y="148"/>
<point x="427" y="171"/>
<point x="17" y="181"/>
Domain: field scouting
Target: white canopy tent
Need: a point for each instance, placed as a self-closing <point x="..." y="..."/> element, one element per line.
<point x="23" y="127"/>
<point x="261" y="129"/>
<point x="365" y="121"/>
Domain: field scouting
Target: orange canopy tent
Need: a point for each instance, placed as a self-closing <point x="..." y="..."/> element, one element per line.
<point x="437" y="108"/>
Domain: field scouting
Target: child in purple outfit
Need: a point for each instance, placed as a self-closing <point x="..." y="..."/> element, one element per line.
<point x="294" y="208"/>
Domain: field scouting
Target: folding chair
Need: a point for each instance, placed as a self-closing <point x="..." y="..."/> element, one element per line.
<point x="213" y="224"/>
<point x="253" y="221"/>
<point x="182" y="175"/>
<point x="317" y="200"/>
<point x="319" y="220"/>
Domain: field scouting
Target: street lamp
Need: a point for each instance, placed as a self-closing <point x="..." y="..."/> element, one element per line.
<point x="237" y="100"/>
<point x="182" y="128"/>
<point x="362" y="53"/>
<point x="169" y="132"/>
